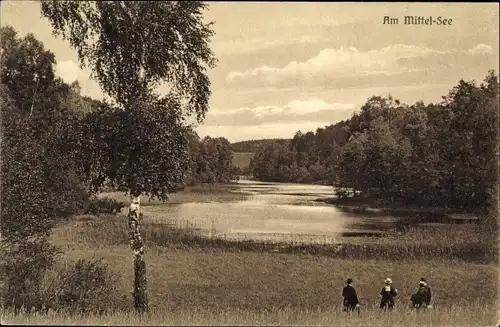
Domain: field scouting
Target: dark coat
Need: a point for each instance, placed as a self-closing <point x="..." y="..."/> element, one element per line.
<point x="388" y="295"/>
<point x="349" y="294"/>
<point x="428" y="299"/>
<point x="422" y="296"/>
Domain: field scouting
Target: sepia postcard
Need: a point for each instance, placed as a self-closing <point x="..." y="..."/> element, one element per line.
<point x="249" y="163"/>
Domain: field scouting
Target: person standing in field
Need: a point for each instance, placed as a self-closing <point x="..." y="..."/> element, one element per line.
<point x="388" y="294"/>
<point x="422" y="299"/>
<point x="351" y="301"/>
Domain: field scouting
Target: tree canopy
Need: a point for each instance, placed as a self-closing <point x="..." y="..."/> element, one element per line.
<point x="129" y="58"/>
<point x="440" y="154"/>
<point x="139" y="144"/>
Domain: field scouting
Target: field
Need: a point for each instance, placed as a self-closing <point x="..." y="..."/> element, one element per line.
<point x="473" y="315"/>
<point x="197" y="280"/>
<point x="242" y="159"/>
<point x="192" y="282"/>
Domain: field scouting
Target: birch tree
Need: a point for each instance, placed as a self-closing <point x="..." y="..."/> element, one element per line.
<point x="139" y="143"/>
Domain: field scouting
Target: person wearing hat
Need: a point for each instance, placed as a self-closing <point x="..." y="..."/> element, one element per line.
<point x="422" y="298"/>
<point x="351" y="301"/>
<point x="388" y="293"/>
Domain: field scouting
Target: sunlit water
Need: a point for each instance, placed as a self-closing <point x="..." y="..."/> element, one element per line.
<point x="272" y="211"/>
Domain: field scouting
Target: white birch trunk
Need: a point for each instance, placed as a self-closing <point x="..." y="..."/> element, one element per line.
<point x="140" y="293"/>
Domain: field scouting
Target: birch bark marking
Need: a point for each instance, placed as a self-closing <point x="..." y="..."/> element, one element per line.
<point x="141" y="301"/>
<point x="140" y="293"/>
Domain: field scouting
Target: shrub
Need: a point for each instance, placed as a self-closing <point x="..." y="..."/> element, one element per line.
<point x="23" y="267"/>
<point x="88" y="286"/>
<point x="97" y="206"/>
<point x="82" y="288"/>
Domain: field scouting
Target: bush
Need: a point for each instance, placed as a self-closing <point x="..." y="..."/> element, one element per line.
<point x="97" y="206"/>
<point x="82" y="288"/>
<point x="23" y="268"/>
<point x="74" y="197"/>
<point x="86" y="287"/>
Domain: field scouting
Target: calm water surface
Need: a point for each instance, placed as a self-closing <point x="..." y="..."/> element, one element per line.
<point x="272" y="211"/>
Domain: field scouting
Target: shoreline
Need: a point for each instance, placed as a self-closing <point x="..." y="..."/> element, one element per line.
<point x="360" y="205"/>
<point x="367" y="204"/>
<point x="111" y="230"/>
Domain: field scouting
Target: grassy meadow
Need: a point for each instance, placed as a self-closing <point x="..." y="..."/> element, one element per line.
<point x="473" y="315"/>
<point x="197" y="280"/>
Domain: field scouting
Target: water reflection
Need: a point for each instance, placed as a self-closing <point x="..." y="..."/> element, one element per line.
<point x="275" y="211"/>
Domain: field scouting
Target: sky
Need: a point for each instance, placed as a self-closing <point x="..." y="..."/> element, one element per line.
<point x="284" y="67"/>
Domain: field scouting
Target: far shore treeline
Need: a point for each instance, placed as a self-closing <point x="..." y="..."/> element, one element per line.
<point x="440" y="154"/>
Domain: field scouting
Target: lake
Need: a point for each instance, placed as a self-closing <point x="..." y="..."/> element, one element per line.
<point x="271" y="211"/>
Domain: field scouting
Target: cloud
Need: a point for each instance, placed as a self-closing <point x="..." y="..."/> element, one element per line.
<point x="68" y="70"/>
<point x="311" y="110"/>
<point x="480" y="49"/>
<point x="330" y="66"/>
<point x="343" y="61"/>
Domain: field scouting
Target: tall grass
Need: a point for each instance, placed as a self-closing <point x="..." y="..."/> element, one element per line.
<point x="472" y="315"/>
<point x="463" y="243"/>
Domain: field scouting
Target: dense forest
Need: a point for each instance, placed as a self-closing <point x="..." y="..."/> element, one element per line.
<point x="304" y="159"/>
<point x="439" y="154"/>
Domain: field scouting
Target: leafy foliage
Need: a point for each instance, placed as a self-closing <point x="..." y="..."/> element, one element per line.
<point x="53" y="138"/>
<point x="129" y="58"/>
<point x="26" y="69"/>
<point x="39" y="184"/>
<point x="375" y="159"/>
<point x="134" y="150"/>
<point x="210" y="160"/>
<point x="140" y="146"/>
<point x="252" y="146"/>
<point x="97" y="206"/>
<point x="89" y="286"/>
<point x="442" y="154"/>
<point x="23" y="268"/>
<point x="305" y="158"/>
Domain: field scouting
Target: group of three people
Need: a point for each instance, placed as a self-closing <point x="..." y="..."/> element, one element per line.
<point x="421" y="299"/>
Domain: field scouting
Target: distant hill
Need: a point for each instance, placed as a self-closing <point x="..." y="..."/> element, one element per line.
<point x="253" y="145"/>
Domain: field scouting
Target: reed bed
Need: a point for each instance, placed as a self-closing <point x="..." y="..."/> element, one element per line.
<point x="460" y="243"/>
